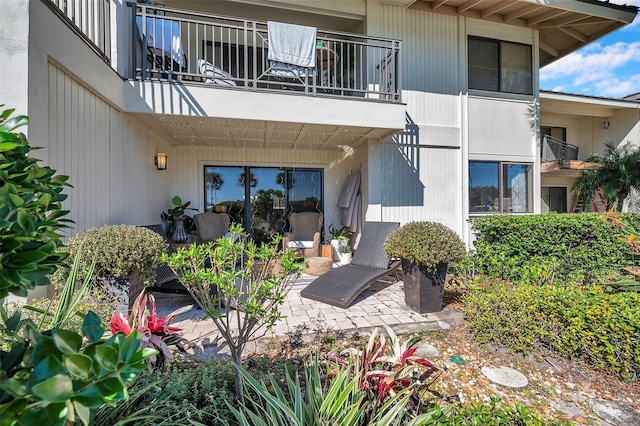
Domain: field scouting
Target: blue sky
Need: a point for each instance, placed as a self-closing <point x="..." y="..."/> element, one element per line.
<point x="609" y="67"/>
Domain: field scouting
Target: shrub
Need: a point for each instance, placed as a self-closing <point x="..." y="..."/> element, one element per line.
<point x="30" y="213"/>
<point x="601" y="328"/>
<point x="119" y="250"/>
<point x="548" y="247"/>
<point x="425" y="243"/>
<point x="490" y="414"/>
<point x="183" y="395"/>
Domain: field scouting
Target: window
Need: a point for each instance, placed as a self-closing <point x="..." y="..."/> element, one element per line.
<point x="500" y="66"/>
<point x="500" y="187"/>
<point x="261" y="198"/>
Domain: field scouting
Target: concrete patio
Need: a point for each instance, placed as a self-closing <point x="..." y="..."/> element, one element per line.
<point x="381" y="304"/>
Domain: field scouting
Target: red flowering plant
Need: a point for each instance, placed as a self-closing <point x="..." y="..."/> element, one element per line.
<point x="388" y="369"/>
<point x="154" y="332"/>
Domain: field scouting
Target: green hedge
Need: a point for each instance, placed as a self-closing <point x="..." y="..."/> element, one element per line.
<point x="550" y="247"/>
<point x="601" y="328"/>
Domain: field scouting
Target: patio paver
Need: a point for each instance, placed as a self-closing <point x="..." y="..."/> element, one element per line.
<point x="381" y="304"/>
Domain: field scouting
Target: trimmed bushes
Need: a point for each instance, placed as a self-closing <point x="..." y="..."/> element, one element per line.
<point x="119" y="250"/>
<point x="549" y="248"/>
<point x="601" y="328"/>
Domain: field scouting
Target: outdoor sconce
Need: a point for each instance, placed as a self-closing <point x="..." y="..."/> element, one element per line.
<point x="161" y="161"/>
<point x="605" y="124"/>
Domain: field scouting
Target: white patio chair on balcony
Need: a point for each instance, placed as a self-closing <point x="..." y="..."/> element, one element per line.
<point x="215" y="75"/>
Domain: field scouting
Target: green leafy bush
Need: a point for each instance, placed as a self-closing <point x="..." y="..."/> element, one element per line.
<point x="492" y="414"/>
<point x="184" y="395"/>
<point x="598" y="327"/>
<point x="550" y="247"/>
<point x="30" y="213"/>
<point x="119" y="250"/>
<point x="425" y="243"/>
<point x="58" y="376"/>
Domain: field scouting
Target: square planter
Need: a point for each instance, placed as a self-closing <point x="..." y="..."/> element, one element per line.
<point x="423" y="288"/>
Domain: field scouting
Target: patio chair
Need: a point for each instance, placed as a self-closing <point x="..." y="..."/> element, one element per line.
<point x="305" y="233"/>
<point x="340" y="286"/>
<point x="211" y="226"/>
<point x="166" y="280"/>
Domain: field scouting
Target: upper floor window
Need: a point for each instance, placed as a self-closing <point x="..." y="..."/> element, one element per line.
<point x="500" y="66"/>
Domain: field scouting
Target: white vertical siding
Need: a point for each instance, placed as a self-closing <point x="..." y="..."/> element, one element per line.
<point x="108" y="156"/>
<point x="412" y="183"/>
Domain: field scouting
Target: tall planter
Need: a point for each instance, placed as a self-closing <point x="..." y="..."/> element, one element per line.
<point x="423" y="287"/>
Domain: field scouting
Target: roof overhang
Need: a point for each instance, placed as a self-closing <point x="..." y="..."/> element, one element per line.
<point x="564" y="25"/>
<point x="564" y="103"/>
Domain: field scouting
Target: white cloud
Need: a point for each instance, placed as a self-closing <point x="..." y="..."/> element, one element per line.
<point x="558" y="89"/>
<point x="615" y="88"/>
<point x="593" y="63"/>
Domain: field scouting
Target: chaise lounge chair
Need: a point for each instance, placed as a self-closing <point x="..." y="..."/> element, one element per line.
<point x="166" y="280"/>
<point x="340" y="286"/>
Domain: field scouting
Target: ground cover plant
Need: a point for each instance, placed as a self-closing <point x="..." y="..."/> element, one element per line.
<point x="598" y="327"/>
<point x="550" y="248"/>
<point x="187" y="393"/>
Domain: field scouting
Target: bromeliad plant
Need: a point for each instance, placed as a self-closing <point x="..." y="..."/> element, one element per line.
<point x="154" y="332"/>
<point x="386" y="370"/>
<point x="234" y="282"/>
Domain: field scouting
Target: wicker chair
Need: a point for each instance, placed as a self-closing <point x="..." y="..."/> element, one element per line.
<point x="305" y="233"/>
<point x="211" y="226"/>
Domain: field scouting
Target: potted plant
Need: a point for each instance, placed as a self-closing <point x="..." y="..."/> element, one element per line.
<point x="177" y="223"/>
<point x="339" y="237"/>
<point x="344" y="254"/>
<point x="425" y="249"/>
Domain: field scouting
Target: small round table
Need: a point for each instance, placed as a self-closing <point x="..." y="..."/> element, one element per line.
<point x="318" y="265"/>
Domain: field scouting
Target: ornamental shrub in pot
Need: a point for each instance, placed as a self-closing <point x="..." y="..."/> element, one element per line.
<point x="425" y="249"/>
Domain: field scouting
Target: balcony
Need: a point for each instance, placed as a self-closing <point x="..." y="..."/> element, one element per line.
<point x="171" y="44"/>
<point x="560" y="158"/>
<point x="556" y="150"/>
<point x="194" y="72"/>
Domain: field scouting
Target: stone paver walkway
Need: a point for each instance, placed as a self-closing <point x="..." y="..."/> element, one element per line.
<point x="382" y="303"/>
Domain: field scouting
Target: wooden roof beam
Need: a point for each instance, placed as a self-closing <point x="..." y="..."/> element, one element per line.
<point x="496" y="8"/>
<point x="436" y="4"/>
<point x="521" y="12"/>
<point x="468" y="5"/>
<point x="569" y="20"/>
<point x="575" y="34"/>
<point x="550" y="50"/>
<point x="545" y="17"/>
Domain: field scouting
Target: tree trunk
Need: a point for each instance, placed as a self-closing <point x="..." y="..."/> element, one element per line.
<point x="237" y="360"/>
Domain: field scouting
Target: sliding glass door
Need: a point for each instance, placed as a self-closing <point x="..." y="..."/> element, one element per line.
<point x="261" y="198"/>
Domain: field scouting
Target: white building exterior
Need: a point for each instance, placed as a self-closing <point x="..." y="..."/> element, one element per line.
<point x="587" y="123"/>
<point x="443" y="144"/>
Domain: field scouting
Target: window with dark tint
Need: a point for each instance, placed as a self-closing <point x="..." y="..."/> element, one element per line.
<point x="500" y="66"/>
<point x="500" y="187"/>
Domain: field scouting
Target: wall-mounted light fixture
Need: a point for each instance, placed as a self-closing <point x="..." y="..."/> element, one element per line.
<point x="605" y="124"/>
<point x="161" y="161"/>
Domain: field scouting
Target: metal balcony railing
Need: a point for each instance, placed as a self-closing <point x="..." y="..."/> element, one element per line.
<point x="90" y="19"/>
<point x="172" y="44"/>
<point x="554" y="149"/>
